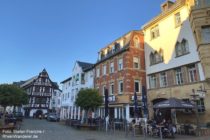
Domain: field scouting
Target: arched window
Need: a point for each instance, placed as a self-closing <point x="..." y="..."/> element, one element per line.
<point x="178" y="49"/>
<point x="136" y="42"/>
<point x="152" y="59"/>
<point x="182" y="48"/>
<point x="161" y="55"/>
<point x="185" y="46"/>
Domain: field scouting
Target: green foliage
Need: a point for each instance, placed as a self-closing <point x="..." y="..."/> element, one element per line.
<point x="11" y="95"/>
<point x="88" y="99"/>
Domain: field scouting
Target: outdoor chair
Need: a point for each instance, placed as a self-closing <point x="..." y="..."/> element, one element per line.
<point x="192" y="129"/>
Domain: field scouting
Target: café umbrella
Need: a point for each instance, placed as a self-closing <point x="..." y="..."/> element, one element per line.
<point x="173" y="103"/>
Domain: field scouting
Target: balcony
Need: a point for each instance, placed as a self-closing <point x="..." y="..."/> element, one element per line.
<point x="41" y="94"/>
<point x="42" y="83"/>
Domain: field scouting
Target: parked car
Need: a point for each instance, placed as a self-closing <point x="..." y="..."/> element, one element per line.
<point x="18" y="116"/>
<point x="9" y="118"/>
<point x="45" y="115"/>
<point x="53" y="117"/>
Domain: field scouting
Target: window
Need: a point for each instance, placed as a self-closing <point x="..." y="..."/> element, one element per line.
<point x="104" y="69"/>
<point x="192" y="73"/>
<point x="136" y="62"/>
<point x="104" y="89"/>
<point x="177" y="19"/>
<point x="97" y="72"/>
<point x="152" y="58"/>
<point x="136" y="42"/>
<point x="137" y="86"/>
<point x="156" y="57"/>
<point x="120" y="64"/>
<point x="155" y="32"/>
<point x="182" y="48"/>
<point x="112" y="67"/>
<point x="120" y="87"/>
<point x="153" y="81"/>
<point x="163" y="79"/>
<point x="82" y="77"/>
<point x="205" y="34"/>
<point x="72" y="95"/>
<point x="179" y="76"/>
<point x="201" y="105"/>
<point x="111" y="89"/>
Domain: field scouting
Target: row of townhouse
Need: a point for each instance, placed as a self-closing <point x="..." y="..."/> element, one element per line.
<point x="170" y="56"/>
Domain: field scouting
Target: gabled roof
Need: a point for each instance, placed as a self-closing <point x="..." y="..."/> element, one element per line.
<point x="64" y="81"/>
<point x="85" y="66"/>
<point x="29" y="81"/>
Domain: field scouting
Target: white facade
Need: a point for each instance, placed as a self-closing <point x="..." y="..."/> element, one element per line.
<point x="65" y="99"/>
<point x="55" y="102"/>
<point x="82" y="77"/>
<point x="169" y="35"/>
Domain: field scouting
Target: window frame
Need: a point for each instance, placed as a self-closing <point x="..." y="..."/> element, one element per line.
<point x="138" y="62"/>
<point x="112" y="67"/>
<point x="120" y="87"/>
<point x="163" y="79"/>
<point x="179" y="76"/>
<point x="192" y="71"/>
<point x="153" y="78"/>
<point x="178" y="19"/>
<point x="120" y="64"/>
<point x="139" y="86"/>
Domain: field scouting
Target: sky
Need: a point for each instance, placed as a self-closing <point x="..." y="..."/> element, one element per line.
<point x="53" y="34"/>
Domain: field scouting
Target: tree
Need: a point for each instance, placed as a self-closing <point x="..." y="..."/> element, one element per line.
<point x="88" y="99"/>
<point x="11" y="95"/>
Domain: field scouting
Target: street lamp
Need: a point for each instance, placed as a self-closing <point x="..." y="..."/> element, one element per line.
<point x="195" y="97"/>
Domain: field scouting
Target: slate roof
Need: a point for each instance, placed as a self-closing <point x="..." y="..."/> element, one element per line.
<point x="68" y="79"/>
<point x="85" y="66"/>
<point x="29" y="81"/>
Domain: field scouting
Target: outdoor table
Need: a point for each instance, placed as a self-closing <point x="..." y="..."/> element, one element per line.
<point x="160" y="128"/>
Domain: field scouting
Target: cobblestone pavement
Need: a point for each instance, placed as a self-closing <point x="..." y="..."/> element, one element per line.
<point x="43" y="130"/>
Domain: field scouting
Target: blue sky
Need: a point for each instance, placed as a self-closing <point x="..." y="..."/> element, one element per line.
<point x="53" y="34"/>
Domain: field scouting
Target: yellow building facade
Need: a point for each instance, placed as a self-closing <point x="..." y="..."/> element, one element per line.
<point x="175" y="67"/>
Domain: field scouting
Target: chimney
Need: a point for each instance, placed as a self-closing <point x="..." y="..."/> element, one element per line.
<point x="166" y="5"/>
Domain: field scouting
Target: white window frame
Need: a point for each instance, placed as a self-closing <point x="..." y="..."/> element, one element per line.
<point x="192" y="72"/>
<point x="163" y="79"/>
<point x="136" y="60"/>
<point x="98" y="72"/>
<point x="112" y="67"/>
<point x="179" y="76"/>
<point x="139" y="86"/>
<point x="119" y="87"/>
<point x="155" y="32"/>
<point x="111" y="89"/>
<point x="120" y="64"/>
<point x="153" y="81"/>
<point x="104" y="69"/>
<point x="178" y="20"/>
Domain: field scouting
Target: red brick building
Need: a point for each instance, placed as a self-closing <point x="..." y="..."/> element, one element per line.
<point x="121" y="69"/>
